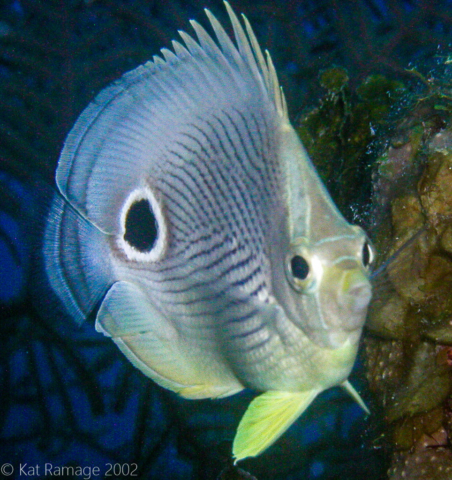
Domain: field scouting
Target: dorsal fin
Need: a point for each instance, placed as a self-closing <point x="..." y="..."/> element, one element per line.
<point x="118" y="136"/>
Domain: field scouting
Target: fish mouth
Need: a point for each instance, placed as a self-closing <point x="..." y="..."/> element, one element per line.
<point x="355" y="293"/>
<point x="341" y="307"/>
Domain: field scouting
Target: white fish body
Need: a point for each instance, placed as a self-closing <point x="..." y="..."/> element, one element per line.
<point x="191" y="211"/>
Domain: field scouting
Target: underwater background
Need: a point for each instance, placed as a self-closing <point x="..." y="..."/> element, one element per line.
<point x="368" y="88"/>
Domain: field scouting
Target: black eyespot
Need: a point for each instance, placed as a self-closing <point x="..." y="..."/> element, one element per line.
<point x="299" y="267"/>
<point x="367" y="255"/>
<point x="141" y="226"/>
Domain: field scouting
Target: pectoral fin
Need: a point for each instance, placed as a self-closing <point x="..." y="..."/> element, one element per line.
<point x="141" y="333"/>
<point x="268" y="416"/>
<point x="151" y="342"/>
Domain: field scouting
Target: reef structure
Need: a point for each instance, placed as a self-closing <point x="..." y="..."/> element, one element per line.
<point x="390" y="141"/>
<point x="409" y="332"/>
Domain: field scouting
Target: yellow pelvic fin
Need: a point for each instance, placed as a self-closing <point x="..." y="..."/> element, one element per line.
<point x="348" y="387"/>
<point x="268" y="416"/>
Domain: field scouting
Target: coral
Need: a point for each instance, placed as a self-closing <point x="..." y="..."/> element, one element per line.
<point x="430" y="459"/>
<point x="410" y="322"/>
<point x="339" y="132"/>
<point x="408" y="342"/>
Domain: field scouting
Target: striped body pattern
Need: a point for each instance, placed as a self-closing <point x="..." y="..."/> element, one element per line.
<point x="189" y="212"/>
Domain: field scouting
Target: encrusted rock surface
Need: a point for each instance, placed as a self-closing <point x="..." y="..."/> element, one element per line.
<point x="409" y="340"/>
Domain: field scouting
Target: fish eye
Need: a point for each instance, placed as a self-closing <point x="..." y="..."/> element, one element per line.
<point x="298" y="272"/>
<point x="143" y="227"/>
<point x="367" y="254"/>
<point x="299" y="267"/>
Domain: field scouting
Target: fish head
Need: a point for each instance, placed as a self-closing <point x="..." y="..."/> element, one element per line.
<point x="330" y="285"/>
<point x="327" y="260"/>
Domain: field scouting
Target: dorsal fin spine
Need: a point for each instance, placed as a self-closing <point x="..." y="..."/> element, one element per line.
<point x="179" y="49"/>
<point x="246" y="52"/>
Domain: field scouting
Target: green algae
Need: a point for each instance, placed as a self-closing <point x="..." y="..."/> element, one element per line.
<point x="391" y="140"/>
<point x="340" y="131"/>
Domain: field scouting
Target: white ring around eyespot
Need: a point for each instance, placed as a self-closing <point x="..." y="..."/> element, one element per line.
<point x="159" y="248"/>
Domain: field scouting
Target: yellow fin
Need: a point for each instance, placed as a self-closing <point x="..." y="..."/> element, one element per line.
<point x="198" y="392"/>
<point x="268" y="416"/>
<point x="350" y="389"/>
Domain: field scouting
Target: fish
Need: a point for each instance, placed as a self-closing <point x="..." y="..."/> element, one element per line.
<point x="190" y="220"/>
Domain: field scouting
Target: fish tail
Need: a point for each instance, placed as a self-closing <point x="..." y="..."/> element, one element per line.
<point x="72" y="262"/>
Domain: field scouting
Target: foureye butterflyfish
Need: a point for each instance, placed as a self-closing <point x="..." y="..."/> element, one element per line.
<point x="189" y="210"/>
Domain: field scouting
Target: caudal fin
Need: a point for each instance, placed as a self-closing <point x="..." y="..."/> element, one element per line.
<point x="73" y="264"/>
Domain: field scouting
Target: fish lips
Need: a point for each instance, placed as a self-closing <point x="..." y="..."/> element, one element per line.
<point x="342" y="305"/>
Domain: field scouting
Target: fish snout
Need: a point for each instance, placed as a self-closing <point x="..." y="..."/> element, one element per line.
<point x="355" y="292"/>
